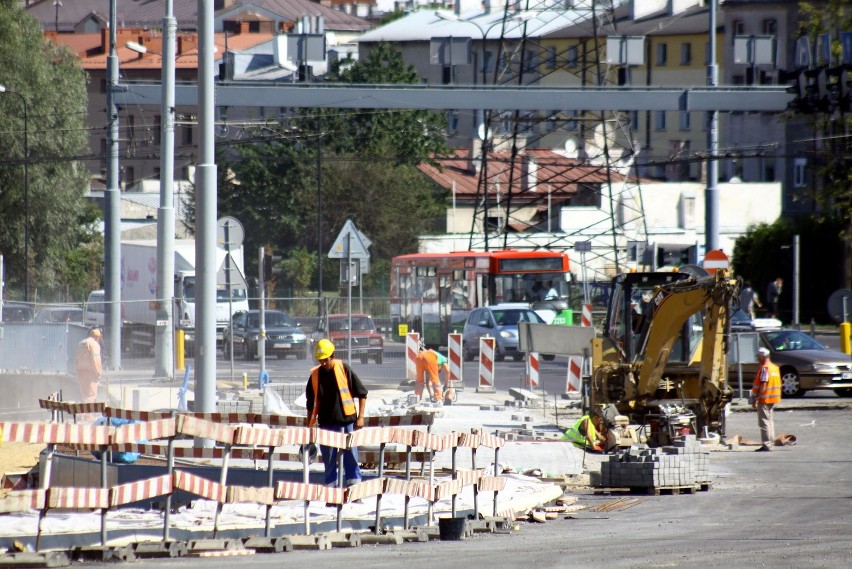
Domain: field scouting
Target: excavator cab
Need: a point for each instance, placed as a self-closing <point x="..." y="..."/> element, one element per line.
<point x="661" y="360"/>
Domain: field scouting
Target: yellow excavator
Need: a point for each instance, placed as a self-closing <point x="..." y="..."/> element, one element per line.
<point x="662" y="358"/>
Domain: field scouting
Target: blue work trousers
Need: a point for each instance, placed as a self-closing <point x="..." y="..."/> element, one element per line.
<point x="350" y="459"/>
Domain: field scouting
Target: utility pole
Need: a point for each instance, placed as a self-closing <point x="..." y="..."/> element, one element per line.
<point x="112" y="230"/>
<point x="711" y="194"/>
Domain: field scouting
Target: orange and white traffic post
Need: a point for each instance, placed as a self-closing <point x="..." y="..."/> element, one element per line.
<point x="454" y="355"/>
<point x="486" y="365"/>
<point x="532" y="370"/>
<point x="412" y="348"/>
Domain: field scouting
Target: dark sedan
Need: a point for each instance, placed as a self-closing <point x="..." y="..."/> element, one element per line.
<point x="805" y="364"/>
<point x="283" y="335"/>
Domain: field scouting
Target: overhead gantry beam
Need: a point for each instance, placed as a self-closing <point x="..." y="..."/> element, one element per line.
<point x="263" y="94"/>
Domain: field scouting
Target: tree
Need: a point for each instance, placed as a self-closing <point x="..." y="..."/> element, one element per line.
<point x="361" y="164"/>
<point x="52" y="89"/>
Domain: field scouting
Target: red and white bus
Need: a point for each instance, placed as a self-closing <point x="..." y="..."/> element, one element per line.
<point x="432" y="293"/>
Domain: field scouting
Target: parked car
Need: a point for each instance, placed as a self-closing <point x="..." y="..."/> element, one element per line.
<point x="367" y="343"/>
<point x="59" y="314"/>
<point x="14" y="312"/>
<point x="805" y="365"/>
<point x="501" y="322"/>
<point x="283" y="335"/>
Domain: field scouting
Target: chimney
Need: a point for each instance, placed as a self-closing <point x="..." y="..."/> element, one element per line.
<point x="530" y="172"/>
<point x="279" y="50"/>
<point x="474" y="156"/>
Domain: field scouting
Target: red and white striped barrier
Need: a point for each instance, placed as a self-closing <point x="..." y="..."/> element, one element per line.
<point x="228" y="418"/>
<point x="72" y="407"/>
<point x="575" y="372"/>
<point x="490" y="441"/>
<point x="78" y="498"/>
<point x="468" y="440"/>
<point x="150" y="431"/>
<point x="56" y="433"/>
<point x="486" y="365"/>
<point x="330" y="438"/>
<point x="132" y="415"/>
<point x="199" y="486"/>
<point x="424" y="419"/>
<point x="455" y="356"/>
<point x="331" y="495"/>
<point x="469" y="477"/>
<point x="296" y="491"/>
<point x="405" y="437"/>
<point x="140" y="490"/>
<point x="448" y="489"/>
<point x="586" y="315"/>
<point x="297" y="436"/>
<point x="372" y="487"/>
<point x="412" y="348"/>
<point x="280" y="420"/>
<point x="258" y="436"/>
<point x="363" y="437"/>
<point x="435" y="442"/>
<point x="204" y="429"/>
<point x="532" y="370"/>
<point x="492" y="483"/>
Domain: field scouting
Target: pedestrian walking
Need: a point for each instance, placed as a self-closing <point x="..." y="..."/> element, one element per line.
<point x="773" y="293"/>
<point x="331" y="392"/>
<point x="748" y="299"/>
<point x="765" y="393"/>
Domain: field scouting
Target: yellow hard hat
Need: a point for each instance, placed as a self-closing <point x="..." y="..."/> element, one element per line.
<point x="324" y="349"/>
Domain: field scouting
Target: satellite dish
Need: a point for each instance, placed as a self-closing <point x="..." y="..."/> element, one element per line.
<point x="572" y="146"/>
<point x="840" y="299"/>
<point x="600" y="140"/>
<point x="483" y="132"/>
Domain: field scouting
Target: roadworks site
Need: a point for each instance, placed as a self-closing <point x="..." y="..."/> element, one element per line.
<point x="489" y="464"/>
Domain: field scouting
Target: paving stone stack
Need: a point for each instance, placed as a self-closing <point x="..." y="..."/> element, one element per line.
<point x="684" y="464"/>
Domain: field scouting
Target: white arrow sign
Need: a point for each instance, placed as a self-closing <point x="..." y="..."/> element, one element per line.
<point x="349" y="243"/>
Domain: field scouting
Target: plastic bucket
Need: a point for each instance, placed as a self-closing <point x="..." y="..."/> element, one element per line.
<point x="452" y="529"/>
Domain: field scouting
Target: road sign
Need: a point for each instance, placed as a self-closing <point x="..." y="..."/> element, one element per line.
<point x="715" y="260"/>
<point x="236" y="234"/>
<point x="349" y="243"/>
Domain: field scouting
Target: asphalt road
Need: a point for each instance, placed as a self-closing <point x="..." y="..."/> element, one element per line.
<point x="789" y="508"/>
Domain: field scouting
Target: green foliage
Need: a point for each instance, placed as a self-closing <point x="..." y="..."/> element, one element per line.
<point x="765" y="252"/>
<point x="299" y="268"/>
<point x="44" y="118"/>
<point x="367" y="173"/>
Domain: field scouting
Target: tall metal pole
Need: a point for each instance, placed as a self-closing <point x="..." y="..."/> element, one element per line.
<point x="166" y="213"/>
<point x="205" y="235"/>
<point x="711" y="194"/>
<point x="319" y="214"/>
<point x="112" y="223"/>
<point x="796" y="290"/>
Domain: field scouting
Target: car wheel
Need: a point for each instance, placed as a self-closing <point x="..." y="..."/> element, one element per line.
<point x="548" y="357"/>
<point x="248" y="354"/>
<point x="518" y="357"/>
<point x="302" y="355"/>
<point x="364" y="359"/>
<point x="380" y="357"/>
<point x="790" y="385"/>
<point x="226" y="350"/>
<point x="845" y="392"/>
<point x="499" y="356"/>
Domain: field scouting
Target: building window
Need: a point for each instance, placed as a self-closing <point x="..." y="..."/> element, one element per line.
<point x="550" y="55"/>
<point x="489" y="56"/>
<point x="660" y="120"/>
<point x="662" y="54"/>
<point x="800" y="166"/>
<point x="187" y="135"/>
<point x="447" y="75"/>
<point x="571" y="56"/>
<point x="586" y="195"/>
<point x="769" y="27"/>
<point x="453" y="122"/>
<point x="685" y="121"/>
<point x="685" y="53"/>
<point x="129" y="176"/>
<point x="571" y="124"/>
<point x="737" y="29"/>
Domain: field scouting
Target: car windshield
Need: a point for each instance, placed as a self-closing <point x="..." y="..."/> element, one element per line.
<point x="273" y="319"/>
<point x="791" y="340"/>
<point x="511" y="317"/>
<point x="17" y="314"/>
<point x="362" y="323"/>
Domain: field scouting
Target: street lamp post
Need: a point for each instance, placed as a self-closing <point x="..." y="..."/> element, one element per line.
<point x="3" y="89"/>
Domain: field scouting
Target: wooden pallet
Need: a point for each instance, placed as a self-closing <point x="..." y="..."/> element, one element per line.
<point x="656" y="490"/>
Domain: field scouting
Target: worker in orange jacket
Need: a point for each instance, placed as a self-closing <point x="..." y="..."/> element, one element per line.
<point x="430" y="362"/>
<point x="89" y="366"/>
<point x="765" y="393"/>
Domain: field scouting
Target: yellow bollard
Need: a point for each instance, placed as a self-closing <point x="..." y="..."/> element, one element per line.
<point x="245" y="381"/>
<point x="180" y="352"/>
<point x="844" y="338"/>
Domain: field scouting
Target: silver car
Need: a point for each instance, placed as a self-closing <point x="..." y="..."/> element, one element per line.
<point x="499" y="322"/>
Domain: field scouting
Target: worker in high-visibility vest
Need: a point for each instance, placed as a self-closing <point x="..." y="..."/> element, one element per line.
<point x="588" y="433"/>
<point x="331" y="393"/>
<point x="765" y="393"/>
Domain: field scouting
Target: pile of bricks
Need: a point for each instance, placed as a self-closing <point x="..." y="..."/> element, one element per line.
<point x="684" y="464"/>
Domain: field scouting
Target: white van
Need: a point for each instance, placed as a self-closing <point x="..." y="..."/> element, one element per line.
<point x="94" y="310"/>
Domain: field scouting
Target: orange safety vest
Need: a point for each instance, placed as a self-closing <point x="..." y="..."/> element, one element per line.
<point x="342" y="386"/>
<point x="767" y="384"/>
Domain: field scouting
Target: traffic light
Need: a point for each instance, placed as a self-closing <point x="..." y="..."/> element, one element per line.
<point x="817" y="89"/>
<point x="270" y="268"/>
<point x="798" y="86"/>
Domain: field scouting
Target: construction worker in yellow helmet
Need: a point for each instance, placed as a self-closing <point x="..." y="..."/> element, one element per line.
<point x="331" y="392"/>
